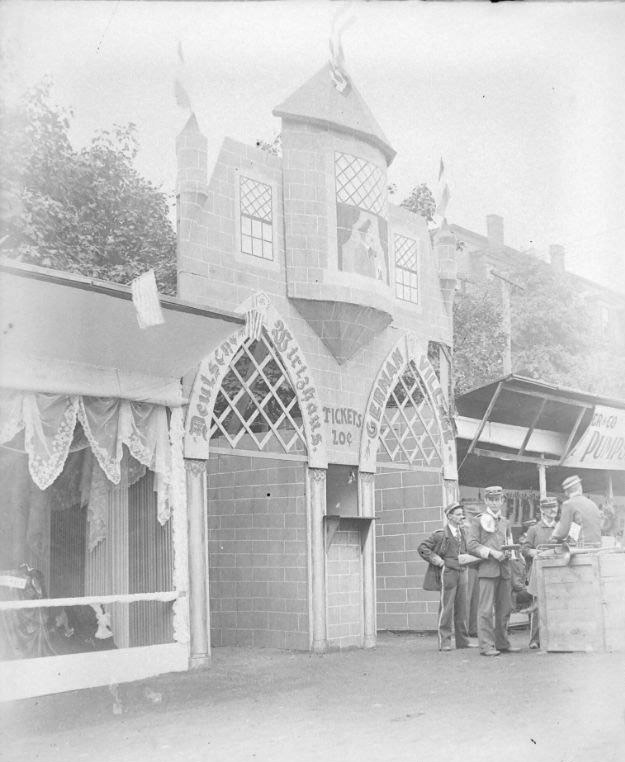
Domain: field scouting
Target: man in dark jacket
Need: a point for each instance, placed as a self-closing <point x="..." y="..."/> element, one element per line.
<point x="446" y="553"/>
<point x="581" y="512"/>
<point x="486" y="535"/>
<point x="538" y="534"/>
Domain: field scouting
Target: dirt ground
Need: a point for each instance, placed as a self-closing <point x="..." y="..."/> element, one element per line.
<point x="400" y="701"/>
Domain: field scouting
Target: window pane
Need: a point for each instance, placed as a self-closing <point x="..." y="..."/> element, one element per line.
<point x="257" y="247"/>
<point x="257" y="228"/>
<point x="267" y="232"/>
<point x="267" y="250"/>
<point x="246" y="244"/>
<point x="246" y="225"/>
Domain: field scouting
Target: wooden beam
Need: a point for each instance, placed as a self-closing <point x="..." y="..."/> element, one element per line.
<point x="567" y="446"/>
<point x="549" y="397"/>
<point x="484" y="420"/>
<point x="530" y="431"/>
<point x="512" y="457"/>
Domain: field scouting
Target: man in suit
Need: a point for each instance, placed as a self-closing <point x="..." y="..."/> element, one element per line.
<point x="580" y="511"/>
<point x="445" y="550"/>
<point x="486" y="535"/>
<point x="538" y="534"/>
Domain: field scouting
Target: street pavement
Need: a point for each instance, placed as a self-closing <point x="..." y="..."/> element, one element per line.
<point x="403" y="700"/>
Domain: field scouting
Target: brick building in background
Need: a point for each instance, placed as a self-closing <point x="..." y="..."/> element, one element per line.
<point x="319" y="439"/>
<point x="484" y="253"/>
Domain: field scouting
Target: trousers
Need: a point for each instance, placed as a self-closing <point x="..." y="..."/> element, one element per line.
<point x="453" y="609"/>
<point x="495" y="603"/>
<point x="474" y="596"/>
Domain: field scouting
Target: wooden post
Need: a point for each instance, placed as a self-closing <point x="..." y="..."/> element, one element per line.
<point x="542" y="480"/>
<point x="366" y="503"/>
<point x="317" y="498"/>
<point x="198" y="566"/>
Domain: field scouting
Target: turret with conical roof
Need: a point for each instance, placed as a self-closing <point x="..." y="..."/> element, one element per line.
<point x="335" y="159"/>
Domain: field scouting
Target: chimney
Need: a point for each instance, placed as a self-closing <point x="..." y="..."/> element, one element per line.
<point x="494" y="231"/>
<point x="556" y="257"/>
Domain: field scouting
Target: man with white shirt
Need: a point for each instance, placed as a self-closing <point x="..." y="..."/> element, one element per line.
<point x="446" y="553"/>
<point x="486" y="535"/>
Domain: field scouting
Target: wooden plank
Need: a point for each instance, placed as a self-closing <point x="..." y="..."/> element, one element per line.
<point x="24" y="678"/>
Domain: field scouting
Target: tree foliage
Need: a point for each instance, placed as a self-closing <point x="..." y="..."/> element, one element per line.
<point x="421" y="201"/>
<point x="553" y="335"/>
<point x="86" y="211"/>
<point x="479" y="337"/>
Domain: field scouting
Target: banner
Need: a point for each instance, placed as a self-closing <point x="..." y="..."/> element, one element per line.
<point x="602" y="445"/>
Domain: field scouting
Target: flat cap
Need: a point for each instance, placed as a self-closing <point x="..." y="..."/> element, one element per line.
<point x="548" y="502"/>
<point x="452" y="506"/>
<point x="570" y="482"/>
<point x="493" y="492"/>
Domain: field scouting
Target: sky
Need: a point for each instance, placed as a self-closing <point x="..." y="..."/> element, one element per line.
<point x="524" y="101"/>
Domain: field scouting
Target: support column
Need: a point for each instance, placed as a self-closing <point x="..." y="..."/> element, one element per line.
<point x="317" y="497"/>
<point x="366" y="501"/>
<point x="542" y="480"/>
<point x="198" y="564"/>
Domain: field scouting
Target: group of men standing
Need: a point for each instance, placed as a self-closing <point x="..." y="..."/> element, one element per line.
<point x="486" y="542"/>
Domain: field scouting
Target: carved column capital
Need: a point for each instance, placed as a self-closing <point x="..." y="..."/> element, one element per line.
<point x="366" y="477"/>
<point x="317" y="474"/>
<point x="195" y="467"/>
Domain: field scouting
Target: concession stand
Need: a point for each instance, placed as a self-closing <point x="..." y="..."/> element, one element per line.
<point x="529" y="436"/>
<point x="93" y="516"/>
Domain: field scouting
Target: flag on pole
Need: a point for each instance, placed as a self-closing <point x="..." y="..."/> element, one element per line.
<point x="337" y="56"/>
<point x="146" y="301"/>
<point x="444" y="195"/>
<point x="180" y="92"/>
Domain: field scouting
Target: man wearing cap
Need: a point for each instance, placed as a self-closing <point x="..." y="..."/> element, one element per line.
<point x="538" y="534"/>
<point x="445" y="550"/>
<point x="486" y="535"/>
<point x="579" y="510"/>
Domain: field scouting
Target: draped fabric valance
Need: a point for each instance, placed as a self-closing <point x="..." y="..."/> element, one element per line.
<point x="48" y="423"/>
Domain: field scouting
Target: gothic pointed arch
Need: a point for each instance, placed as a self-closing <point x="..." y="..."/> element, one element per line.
<point x="407" y="419"/>
<point x="256" y="391"/>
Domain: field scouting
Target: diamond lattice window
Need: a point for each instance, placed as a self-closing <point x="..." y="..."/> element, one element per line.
<point x="256" y="218"/>
<point x="409" y="432"/>
<point x="360" y="183"/>
<point x="256" y="407"/>
<point x="406" y="269"/>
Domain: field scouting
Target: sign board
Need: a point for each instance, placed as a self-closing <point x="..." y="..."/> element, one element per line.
<point x="602" y="445"/>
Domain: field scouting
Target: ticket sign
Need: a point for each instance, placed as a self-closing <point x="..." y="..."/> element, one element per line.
<point x="602" y="445"/>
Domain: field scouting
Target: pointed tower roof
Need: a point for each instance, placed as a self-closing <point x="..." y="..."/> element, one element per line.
<point x="191" y="125"/>
<point x="319" y="102"/>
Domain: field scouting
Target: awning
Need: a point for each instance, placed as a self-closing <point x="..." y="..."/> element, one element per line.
<point x="66" y="334"/>
<point x="508" y="427"/>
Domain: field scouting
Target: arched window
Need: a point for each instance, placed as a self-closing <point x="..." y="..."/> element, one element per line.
<point x="409" y="432"/>
<point x="256" y="407"/>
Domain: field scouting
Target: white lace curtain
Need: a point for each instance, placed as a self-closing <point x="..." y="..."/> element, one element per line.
<point x="48" y="423"/>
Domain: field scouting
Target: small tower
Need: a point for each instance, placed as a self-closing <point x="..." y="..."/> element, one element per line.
<point x="335" y="159"/>
<point x="445" y="250"/>
<point x="191" y="197"/>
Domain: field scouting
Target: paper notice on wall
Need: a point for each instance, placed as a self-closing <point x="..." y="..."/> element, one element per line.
<point x="146" y="300"/>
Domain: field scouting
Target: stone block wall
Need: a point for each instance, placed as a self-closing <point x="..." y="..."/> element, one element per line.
<point x="344" y="590"/>
<point x="408" y="507"/>
<point x="257" y="551"/>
